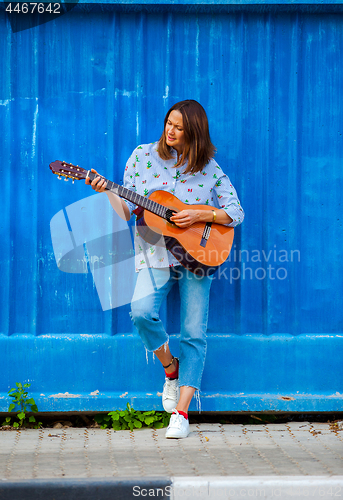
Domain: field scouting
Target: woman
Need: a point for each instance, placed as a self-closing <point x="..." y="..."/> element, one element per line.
<point x="182" y="163"/>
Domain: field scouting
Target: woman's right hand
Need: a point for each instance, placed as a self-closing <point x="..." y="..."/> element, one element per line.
<point x="98" y="184"/>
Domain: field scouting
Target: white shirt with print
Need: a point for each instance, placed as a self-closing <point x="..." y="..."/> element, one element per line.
<point x="146" y="172"/>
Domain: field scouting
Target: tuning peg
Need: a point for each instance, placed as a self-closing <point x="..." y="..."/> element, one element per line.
<point x="66" y="179"/>
<point x="59" y="177"/>
<point x="73" y="181"/>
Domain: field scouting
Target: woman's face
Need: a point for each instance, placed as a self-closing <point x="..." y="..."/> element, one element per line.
<point x="175" y="136"/>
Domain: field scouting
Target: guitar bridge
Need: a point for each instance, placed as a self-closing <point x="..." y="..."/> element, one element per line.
<point x="206" y="234"/>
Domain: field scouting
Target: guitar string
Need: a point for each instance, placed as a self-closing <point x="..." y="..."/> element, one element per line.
<point x="136" y="198"/>
<point x="150" y="205"/>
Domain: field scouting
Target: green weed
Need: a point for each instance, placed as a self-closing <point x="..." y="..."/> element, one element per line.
<point x="133" y="419"/>
<point x="25" y="404"/>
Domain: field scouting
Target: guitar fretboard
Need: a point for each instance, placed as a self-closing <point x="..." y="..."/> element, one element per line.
<point x="135" y="198"/>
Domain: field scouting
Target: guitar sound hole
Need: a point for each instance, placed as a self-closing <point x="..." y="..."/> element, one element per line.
<point x="170" y="213"/>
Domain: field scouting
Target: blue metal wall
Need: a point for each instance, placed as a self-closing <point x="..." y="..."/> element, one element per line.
<point x="91" y="85"/>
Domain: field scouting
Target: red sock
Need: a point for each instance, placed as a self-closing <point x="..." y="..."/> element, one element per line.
<point x="183" y="414"/>
<point x="175" y="373"/>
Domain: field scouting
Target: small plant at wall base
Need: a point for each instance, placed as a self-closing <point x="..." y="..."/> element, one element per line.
<point x="133" y="419"/>
<point x="21" y="399"/>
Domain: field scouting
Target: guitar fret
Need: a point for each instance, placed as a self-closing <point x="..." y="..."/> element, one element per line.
<point x="68" y="170"/>
<point x="161" y="211"/>
<point x="150" y="206"/>
<point x="134" y="197"/>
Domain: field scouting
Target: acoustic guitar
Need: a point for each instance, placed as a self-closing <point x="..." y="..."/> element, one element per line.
<point x="201" y="247"/>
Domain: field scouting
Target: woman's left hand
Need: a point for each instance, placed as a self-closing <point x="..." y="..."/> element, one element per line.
<point x="185" y="218"/>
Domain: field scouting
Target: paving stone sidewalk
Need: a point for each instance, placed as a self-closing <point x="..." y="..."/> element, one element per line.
<point x="292" y="449"/>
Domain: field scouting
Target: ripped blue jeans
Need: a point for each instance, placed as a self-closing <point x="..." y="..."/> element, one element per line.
<point x="152" y="287"/>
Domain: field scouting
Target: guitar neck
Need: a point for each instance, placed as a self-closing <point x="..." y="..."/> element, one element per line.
<point x="135" y="198"/>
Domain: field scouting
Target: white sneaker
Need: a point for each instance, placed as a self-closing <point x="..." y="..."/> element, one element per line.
<point x="178" y="426"/>
<point x="171" y="394"/>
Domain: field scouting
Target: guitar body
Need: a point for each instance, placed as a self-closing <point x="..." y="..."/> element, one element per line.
<point x="189" y="246"/>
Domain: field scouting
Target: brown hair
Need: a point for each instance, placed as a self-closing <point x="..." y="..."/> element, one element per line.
<point x="198" y="148"/>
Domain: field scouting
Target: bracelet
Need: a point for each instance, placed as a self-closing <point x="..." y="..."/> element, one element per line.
<point x="214" y="216"/>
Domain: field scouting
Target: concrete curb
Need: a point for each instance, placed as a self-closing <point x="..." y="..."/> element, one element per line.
<point x="86" y="489"/>
<point x="267" y="487"/>
<point x="176" y="488"/>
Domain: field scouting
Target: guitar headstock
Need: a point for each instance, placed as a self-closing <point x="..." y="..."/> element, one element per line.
<point x="68" y="170"/>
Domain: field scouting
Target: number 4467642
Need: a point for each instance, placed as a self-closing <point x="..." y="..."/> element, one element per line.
<point x="30" y="8"/>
